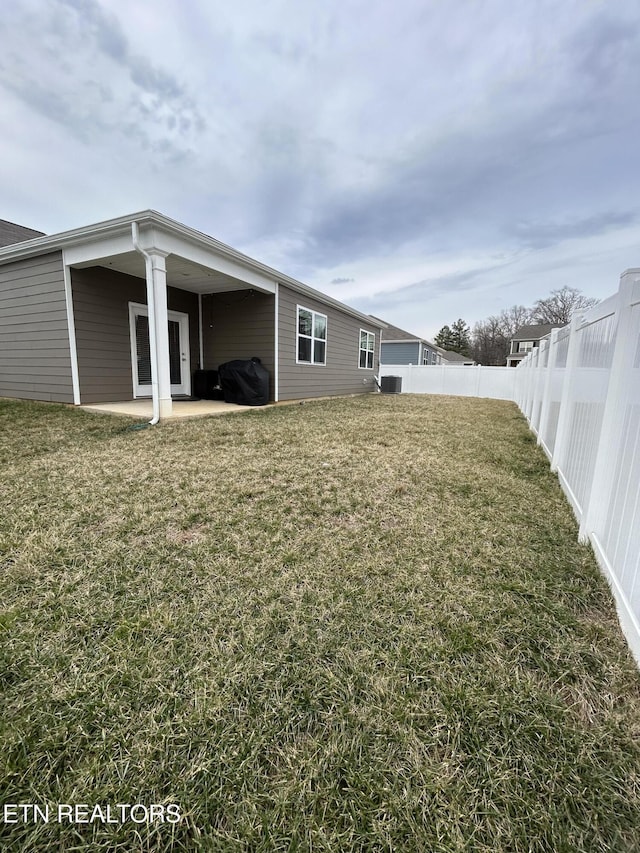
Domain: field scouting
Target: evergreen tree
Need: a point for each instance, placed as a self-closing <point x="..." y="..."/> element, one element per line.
<point x="444" y="338"/>
<point x="460" y="337"/>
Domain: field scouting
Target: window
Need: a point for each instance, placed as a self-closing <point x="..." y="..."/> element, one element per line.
<point x="525" y="346"/>
<point x="426" y="356"/>
<point x="312" y="337"/>
<point x="367" y="345"/>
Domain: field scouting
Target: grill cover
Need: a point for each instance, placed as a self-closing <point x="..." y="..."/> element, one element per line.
<point x="244" y="382"/>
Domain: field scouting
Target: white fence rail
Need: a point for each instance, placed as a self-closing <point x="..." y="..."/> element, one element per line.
<point x="580" y="392"/>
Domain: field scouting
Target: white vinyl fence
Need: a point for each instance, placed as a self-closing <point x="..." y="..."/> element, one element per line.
<point x="580" y="392"/>
<point x="459" y="381"/>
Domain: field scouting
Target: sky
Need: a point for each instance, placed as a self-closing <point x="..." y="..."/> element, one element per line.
<point x="420" y="160"/>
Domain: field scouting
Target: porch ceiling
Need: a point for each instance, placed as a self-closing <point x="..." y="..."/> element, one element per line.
<point x="181" y="273"/>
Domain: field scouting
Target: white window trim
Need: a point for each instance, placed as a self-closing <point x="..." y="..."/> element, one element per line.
<point x="311" y="337"/>
<point x="372" y="351"/>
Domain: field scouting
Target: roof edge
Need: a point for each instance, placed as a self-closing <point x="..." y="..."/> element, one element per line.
<point x="63" y="239"/>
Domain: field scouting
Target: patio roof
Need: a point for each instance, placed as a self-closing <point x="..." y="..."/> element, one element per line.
<point x="194" y="261"/>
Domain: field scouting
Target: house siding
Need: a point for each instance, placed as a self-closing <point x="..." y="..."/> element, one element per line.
<point x="341" y="374"/>
<point x="239" y="324"/>
<point x="101" y="300"/>
<point x="35" y="357"/>
<point x="401" y="353"/>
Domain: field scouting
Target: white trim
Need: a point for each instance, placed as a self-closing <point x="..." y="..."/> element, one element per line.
<point x="276" y="336"/>
<point x="312" y="337"/>
<point x="71" y="325"/>
<point x="137" y="309"/>
<point x="200" y="337"/>
<point x="360" y="350"/>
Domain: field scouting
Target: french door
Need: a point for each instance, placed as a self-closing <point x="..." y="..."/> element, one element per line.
<point x="179" y="362"/>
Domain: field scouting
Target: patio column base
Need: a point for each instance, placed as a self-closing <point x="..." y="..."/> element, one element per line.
<point x="166" y="407"/>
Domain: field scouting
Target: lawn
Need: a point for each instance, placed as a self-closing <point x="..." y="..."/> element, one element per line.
<point x="357" y="624"/>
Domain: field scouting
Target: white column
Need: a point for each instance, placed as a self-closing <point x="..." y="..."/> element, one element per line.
<point x="157" y="301"/>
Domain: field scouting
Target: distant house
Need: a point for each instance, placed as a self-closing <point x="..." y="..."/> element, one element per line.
<point x="130" y="307"/>
<point x="400" y="347"/>
<point x="526" y="339"/>
<point x="11" y="233"/>
<point x="455" y="358"/>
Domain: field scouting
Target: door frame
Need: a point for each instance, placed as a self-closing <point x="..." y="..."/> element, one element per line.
<point x="137" y="309"/>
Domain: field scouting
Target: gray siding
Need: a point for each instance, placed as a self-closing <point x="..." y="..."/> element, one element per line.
<point x="341" y="374"/>
<point x="402" y="353"/>
<point x="101" y="311"/>
<point x="239" y="324"/>
<point x="35" y="358"/>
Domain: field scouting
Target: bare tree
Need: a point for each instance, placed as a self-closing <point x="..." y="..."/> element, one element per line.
<point x="561" y="305"/>
<point x="491" y="337"/>
<point x="512" y="319"/>
<point x="490" y="346"/>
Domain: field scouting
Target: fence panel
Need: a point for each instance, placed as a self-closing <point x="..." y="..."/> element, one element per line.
<point x="557" y="362"/>
<point x="580" y="392"/>
<point x="585" y="400"/>
<point x="458" y="381"/>
<point x="590" y="427"/>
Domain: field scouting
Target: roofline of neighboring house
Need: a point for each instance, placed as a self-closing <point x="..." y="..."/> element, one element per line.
<point x="76" y="236"/>
<point x="423" y="341"/>
<point x="23" y="227"/>
<point x="528" y="337"/>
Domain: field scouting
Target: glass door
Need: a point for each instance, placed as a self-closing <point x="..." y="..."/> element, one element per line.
<point x="179" y="362"/>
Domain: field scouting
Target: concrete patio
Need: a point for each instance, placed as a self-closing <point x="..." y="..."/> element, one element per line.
<point x="181" y="408"/>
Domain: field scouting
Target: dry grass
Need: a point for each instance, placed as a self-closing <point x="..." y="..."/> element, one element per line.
<point x="353" y="625"/>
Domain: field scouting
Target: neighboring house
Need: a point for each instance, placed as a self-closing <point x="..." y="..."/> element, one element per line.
<point x="91" y="315"/>
<point x="455" y="358"/>
<point x="400" y="347"/>
<point x="526" y="339"/>
<point x="11" y="233"/>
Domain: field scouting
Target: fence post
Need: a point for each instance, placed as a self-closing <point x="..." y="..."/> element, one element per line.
<point x="524" y="379"/>
<point x="532" y="367"/>
<point x="538" y="386"/>
<point x="546" y="393"/>
<point x="410" y="379"/>
<point x="564" y="416"/>
<point x="613" y="418"/>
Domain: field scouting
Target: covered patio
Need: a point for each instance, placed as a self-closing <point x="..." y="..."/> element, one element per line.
<point x="168" y="336"/>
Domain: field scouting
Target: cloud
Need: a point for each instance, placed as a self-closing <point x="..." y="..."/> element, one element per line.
<point x="540" y="235"/>
<point x="141" y="101"/>
<point x="409" y="159"/>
